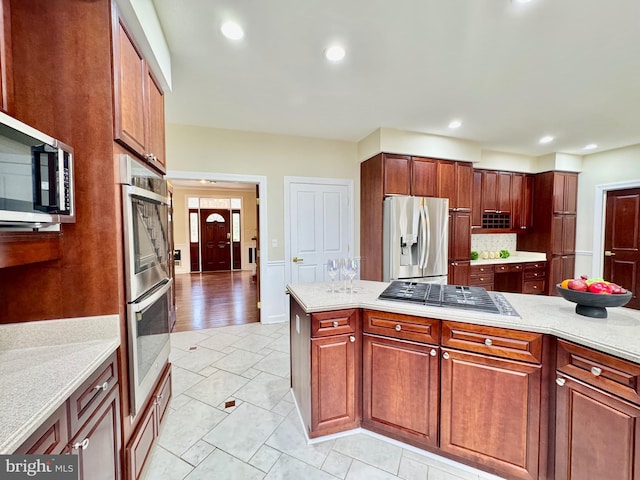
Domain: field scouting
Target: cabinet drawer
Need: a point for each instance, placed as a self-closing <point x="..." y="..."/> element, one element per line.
<point x="482" y="270"/>
<point x="407" y="327"/>
<point x="509" y="267"/>
<point x="141" y="443"/>
<point x="611" y="374"/>
<point x="480" y="279"/>
<point x="533" y="287"/>
<point x="86" y="399"/>
<point x="499" y="342"/>
<point x="534" y="274"/>
<point x="335" y="322"/>
<point x="535" y="266"/>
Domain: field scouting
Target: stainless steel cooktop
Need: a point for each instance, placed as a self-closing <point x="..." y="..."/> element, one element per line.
<point x="449" y="296"/>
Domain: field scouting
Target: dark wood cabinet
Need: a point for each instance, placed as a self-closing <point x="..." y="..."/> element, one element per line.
<point x="138" y="99"/>
<point x="554" y="225"/>
<point x="333" y="384"/>
<point x="401" y="389"/>
<point x="459" y="272"/>
<point x="476" y="210"/>
<point x="147" y="430"/>
<point x="87" y="425"/>
<point x="490" y="412"/>
<point x="459" y="235"/>
<point x="597" y="415"/>
<point x="565" y="193"/>
<point x="455" y="182"/>
<point x="97" y="443"/>
<point x="424" y="177"/>
<point x="521" y="201"/>
<point x="563" y="234"/>
<point x="496" y="192"/>
<point x="397" y="174"/>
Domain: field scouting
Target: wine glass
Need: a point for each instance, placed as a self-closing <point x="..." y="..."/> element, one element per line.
<point x="332" y="270"/>
<point x="351" y="271"/>
<point x="343" y="262"/>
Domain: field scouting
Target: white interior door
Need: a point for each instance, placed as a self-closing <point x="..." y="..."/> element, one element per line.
<point x="320" y="228"/>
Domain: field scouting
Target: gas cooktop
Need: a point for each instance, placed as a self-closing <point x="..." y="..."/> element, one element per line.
<point x="449" y="296"/>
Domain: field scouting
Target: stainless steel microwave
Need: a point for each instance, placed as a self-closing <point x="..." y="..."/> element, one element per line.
<point x="36" y="177"/>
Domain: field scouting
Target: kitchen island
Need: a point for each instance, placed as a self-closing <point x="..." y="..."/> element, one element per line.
<point x="522" y="397"/>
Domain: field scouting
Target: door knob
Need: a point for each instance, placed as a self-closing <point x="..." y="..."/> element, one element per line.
<point x="297" y="260"/>
<point x="609" y="254"/>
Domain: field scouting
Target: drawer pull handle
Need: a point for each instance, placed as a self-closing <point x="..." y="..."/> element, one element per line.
<point x="102" y="387"/>
<point x="596" y="371"/>
<point x="352" y="339"/>
<point x="83" y="445"/>
<point x="560" y="381"/>
<point x="445" y="355"/>
<point x="488" y="342"/>
<point x="398" y="328"/>
<point x="335" y="324"/>
<point x="433" y="352"/>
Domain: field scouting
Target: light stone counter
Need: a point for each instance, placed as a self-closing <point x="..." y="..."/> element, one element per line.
<point x="42" y="364"/>
<point x="619" y="334"/>
<point x="515" y="257"/>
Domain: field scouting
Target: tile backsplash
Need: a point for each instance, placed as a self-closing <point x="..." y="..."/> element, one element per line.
<point x="494" y="242"/>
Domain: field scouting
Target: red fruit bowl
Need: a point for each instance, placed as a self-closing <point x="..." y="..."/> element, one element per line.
<point x="593" y="304"/>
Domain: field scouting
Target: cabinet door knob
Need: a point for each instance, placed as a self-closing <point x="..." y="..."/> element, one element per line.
<point x="398" y="328"/>
<point x="102" y="387"/>
<point x="433" y="352"/>
<point x="335" y="324"/>
<point x="83" y="445"/>
<point x="560" y="381"/>
<point x="488" y="342"/>
<point x="352" y="339"/>
<point x="596" y="371"/>
<point x="445" y="355"/>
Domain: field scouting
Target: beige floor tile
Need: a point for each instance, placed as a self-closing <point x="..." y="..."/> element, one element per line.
<point x="289" y="468"/>
<point x="265" y="390"/>
<point x="370" y="450"/>
<point x="216" y="388"/>
<point x="166" y="466"/>
<point x="221" y="465"/>
<point x="362" y="471"/>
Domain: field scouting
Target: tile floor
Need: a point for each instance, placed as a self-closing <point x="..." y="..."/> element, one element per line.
<point x="261" y="437"/>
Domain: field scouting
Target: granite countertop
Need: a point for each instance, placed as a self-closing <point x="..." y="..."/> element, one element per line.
<point x="42" y="364"/>
<point x="617" y="335"/>
<point x="515" y="257"/>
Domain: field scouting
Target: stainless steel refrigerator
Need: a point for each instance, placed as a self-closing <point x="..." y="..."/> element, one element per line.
<point x="415" y="239"/>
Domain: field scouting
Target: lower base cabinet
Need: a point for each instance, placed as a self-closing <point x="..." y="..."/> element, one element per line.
<point x="597" y="434"/>
<point x="490" y="412"/>
<point x="401" y="389"/>
<point x="141" y="443"/>
<point x="87" y="425"/>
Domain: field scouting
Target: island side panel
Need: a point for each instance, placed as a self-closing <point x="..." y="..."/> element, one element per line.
<point x="300" y="338"/>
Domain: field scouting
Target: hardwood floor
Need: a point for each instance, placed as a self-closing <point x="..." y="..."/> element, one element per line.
<point x="215" y="299"/>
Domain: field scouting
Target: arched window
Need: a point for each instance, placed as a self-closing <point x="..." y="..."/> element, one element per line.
<point x="215" y="217"/>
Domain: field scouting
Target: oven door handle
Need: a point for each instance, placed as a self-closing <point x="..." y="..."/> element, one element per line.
<point x="151" y="296"/>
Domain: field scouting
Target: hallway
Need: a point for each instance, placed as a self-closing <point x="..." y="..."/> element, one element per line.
<point x="215" y="299"/>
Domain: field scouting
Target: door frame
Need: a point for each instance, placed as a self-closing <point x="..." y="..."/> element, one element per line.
<point x="261" y="181"/>
<point x="288" y="181"/>
<point x="600" y="209"/>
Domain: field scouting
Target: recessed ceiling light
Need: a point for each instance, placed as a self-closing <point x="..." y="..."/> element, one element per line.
<point x="335" y="53"/>
<point x="520" y="1"/>
<point x="591" y="146"/>
<point x="546" y="139"/>
<point x="455" y="124"/>
<point x="232" y="30"/>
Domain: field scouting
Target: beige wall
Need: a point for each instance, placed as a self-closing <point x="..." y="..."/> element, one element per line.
<point x="201" y="149"/>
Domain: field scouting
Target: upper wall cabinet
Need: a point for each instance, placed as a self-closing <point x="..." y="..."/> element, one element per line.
<point x="407" y="175"/>
<point x="455" y="182"/>
<point x="138" y="99"/>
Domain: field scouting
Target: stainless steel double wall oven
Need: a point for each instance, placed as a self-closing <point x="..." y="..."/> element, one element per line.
<point x="146" y="240"/>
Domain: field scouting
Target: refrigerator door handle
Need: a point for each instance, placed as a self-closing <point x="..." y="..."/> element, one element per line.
<point x="426" y="234"/>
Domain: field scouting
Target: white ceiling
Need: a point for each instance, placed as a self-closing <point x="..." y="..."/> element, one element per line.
<point x="511" y="72"/>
